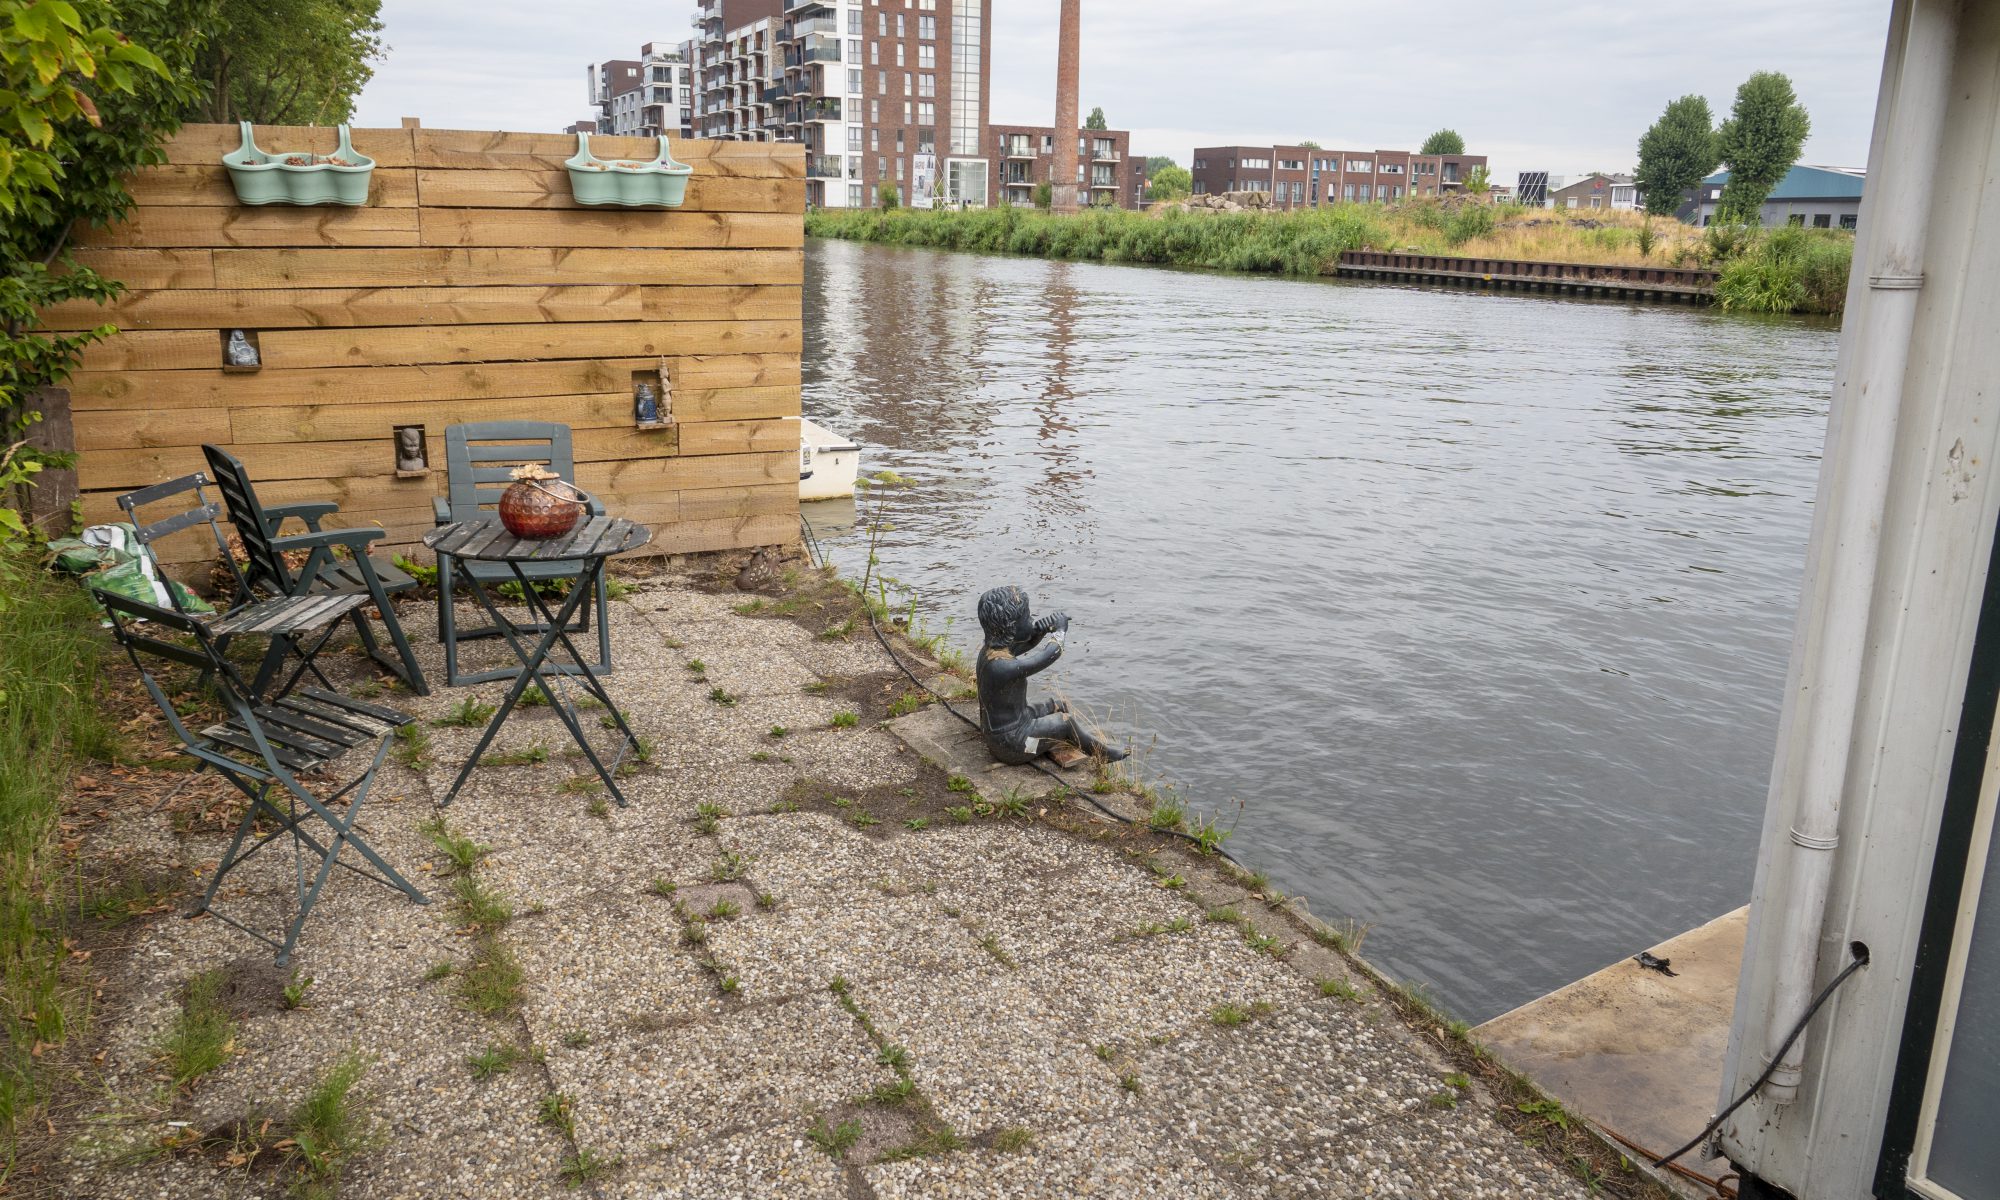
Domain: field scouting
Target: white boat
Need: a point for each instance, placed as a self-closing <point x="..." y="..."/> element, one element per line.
<point x="828" y="463"/>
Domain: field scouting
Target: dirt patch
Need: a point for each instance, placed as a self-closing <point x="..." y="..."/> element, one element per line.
<point x="926" y="800"/>
<point x="251" y="985"/>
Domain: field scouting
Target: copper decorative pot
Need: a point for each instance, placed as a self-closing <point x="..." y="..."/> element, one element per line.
<point x="538" y="504"/>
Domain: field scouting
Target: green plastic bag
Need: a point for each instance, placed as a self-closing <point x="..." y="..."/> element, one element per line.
<point x="110" y="557"/>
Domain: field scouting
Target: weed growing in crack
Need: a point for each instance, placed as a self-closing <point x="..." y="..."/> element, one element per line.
<point x="199" y="1040"/>
<point x="1129" y="1080"/>
<point x="844" y="720"/>
<point x="1167" y="816"/>
<point x="991" y="944"/>
<point x="723" y="909"/>
<point x="917" y="824"/>
<point x="599" y="807"/>
<point x="962" y="815"/>
<point x="894" y="1057"/>
<point x="532" y="756"/>
<point x="576" y="1039"/>
<point x="413" y="747"/>
<point x="663" y="887"/>
<point x="294" y="995"/>
<point x="720" y="698"/>
<point x="767" y="900"/>
<point x="1013" y="1138"/>
<point x="461" y="853"/>
<point x="477" y="904"/>
<point x="497" y="1059"/>
<point x="556" y="1111"/>
<point x="491" y="983"/>
<point x="731" y="867"/>
<point x="778" y="731"/>
<point x="834" y="1140"/>
<point x="439" y="970"/>
<point x="1340" y="989"/>
<point x="470" y="714"/>
<point x="893" y="1093"/>
<point x="587" y="1165"/>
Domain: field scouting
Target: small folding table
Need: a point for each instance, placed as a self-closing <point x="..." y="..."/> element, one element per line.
<point x="591" y="543"/>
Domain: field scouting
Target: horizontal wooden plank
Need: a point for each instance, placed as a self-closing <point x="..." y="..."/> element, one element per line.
<point x="674" y="302"/>
<point x="734" y="533"/>
<point x="384" y="493"/>
<point x="333" y="422"/>
<point x="515" y="266"/>
<point x="737" y="437"/>
<point x="105" y="429"/>
<point x="204" y="145"/>
<point x="345" y="385"/>
<point x="324" y="308"/>
<point x="549" y="187"/>
<point x="403" y="530"/>
<point x="191" y="185"/>
<point x="712" y="504"/>
<point x="273" y="225"/>
<point x="131" y="467"/>
<point x="152" y="268"/>
<point x="670" y="229"/>
<point x="291" y="349"/>
<point x="468" y="149"/>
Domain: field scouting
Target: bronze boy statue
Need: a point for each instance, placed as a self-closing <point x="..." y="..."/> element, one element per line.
<point x="1018" y="646"/>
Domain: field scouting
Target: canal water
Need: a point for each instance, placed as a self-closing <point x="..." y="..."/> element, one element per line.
<point x="1478" y="605"/>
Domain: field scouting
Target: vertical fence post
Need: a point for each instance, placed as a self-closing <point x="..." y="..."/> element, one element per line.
<point x="47" y="503"/>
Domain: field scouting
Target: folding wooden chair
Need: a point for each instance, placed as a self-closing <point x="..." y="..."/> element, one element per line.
<point x="479" y="461"/>
<point x="297" y="625"/>
<point x="262" y="749"/>
<point x="360" y="574"/>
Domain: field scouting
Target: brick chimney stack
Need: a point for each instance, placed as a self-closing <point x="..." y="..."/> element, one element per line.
<point x="1062" y="169"/>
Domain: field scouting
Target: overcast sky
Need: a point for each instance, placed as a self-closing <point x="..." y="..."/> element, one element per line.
<point x="1535" y="84"/>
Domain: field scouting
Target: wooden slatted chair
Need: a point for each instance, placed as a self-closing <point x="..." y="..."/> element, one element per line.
<point x="479" y="461"/>
<point x="361" y="573"/>
<point x="298" y="626"/>
<point x="262" y="749"/>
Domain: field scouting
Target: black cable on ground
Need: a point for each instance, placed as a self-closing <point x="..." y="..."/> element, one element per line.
<point x="1826" y="993"/>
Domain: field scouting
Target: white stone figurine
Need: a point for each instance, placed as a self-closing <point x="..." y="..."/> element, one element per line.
<point x="240" y="352"/>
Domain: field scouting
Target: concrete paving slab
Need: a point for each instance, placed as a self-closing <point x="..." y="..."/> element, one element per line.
<point x="1633" y="1049"/>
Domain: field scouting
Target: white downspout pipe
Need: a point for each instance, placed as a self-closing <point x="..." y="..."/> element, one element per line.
<point x="1868" y="400"/>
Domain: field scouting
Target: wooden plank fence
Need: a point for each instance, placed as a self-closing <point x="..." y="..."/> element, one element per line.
<point x="471" y="287"/>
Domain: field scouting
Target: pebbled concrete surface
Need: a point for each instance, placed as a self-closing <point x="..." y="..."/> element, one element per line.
<point x="1037" y="1005"/>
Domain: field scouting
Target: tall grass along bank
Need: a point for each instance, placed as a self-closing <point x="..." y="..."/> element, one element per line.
<point x="50" y="721"/>
<point x="1786" y="270"/>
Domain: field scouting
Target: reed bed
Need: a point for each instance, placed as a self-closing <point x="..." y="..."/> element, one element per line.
<point x="1806" y="269"/>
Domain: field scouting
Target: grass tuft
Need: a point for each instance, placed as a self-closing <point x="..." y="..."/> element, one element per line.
<point x="202" y="1034"/>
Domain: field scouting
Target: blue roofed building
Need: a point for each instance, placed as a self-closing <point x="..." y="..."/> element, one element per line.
<point x="1818" y="197"/>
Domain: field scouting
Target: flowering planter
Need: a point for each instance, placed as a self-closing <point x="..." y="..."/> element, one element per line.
<point x="659" y="183"/>
<point x="263" y="178"/>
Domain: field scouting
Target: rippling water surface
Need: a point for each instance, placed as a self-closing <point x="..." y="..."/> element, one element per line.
<point x="1479" y="604"/>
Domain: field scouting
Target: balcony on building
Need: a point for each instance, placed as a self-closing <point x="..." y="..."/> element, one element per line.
<point x="824" y="108"/>
<point x="818" y="24"/>
<point x="817" y="48"/>
<point x="825" y="166"/>
<point x="807" y="6"/>
<point x="1103" y="151"/>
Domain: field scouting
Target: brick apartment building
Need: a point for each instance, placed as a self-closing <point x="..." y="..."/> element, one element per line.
<point x="1021" y="157"/>
<point x="1305" y="176"/>
<point x="893" y="91"/>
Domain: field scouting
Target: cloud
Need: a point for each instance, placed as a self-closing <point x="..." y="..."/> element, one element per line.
<point x="1536" y="84"/>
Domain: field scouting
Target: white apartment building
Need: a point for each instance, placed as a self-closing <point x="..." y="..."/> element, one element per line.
<point x="644" y="97"/>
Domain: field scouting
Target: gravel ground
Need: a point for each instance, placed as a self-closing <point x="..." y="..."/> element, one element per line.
<point x="1035" y="1011"/>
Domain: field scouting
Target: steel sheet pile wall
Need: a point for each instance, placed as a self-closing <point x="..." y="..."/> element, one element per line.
<point x="471" y="287"/>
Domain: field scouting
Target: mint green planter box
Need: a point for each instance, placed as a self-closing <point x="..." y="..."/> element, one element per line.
<point x="661" y="183"/>
<point x="283" y="178"/>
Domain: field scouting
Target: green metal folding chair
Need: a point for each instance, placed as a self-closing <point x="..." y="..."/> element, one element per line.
<point x="298" y="626"/>
<point x="262" y="749"/>
<point x="361" y="573"/>
<point x="479" y="459"/>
